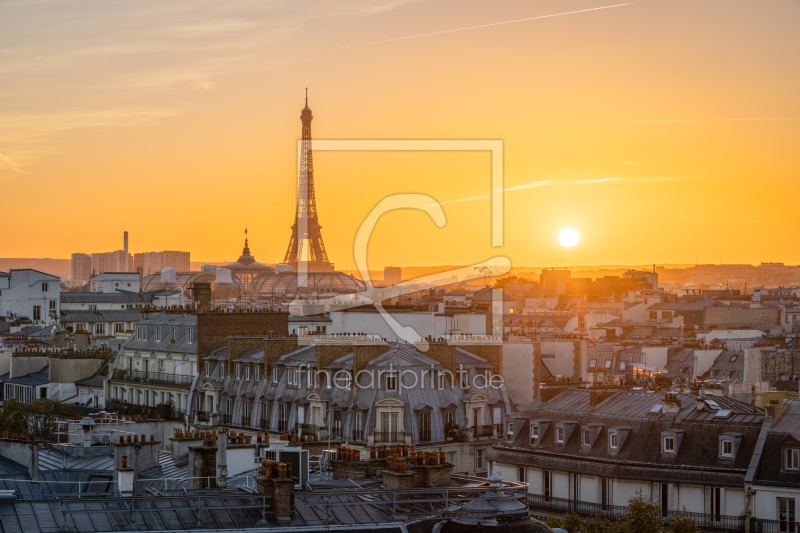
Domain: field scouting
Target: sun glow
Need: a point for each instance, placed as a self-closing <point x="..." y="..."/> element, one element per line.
<point x="568" y="237"/>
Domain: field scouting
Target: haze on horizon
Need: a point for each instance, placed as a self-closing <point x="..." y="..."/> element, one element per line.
<point x="662" y="132"/>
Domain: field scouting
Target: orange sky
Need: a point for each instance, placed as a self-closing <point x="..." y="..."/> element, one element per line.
<point x="177" y="121"/>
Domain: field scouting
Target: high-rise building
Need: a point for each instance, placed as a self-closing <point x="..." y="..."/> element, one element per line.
<point x="152" y="262"/>
<point x="81" y="267"/>
<point x="117" y="261"/>
<point x="392" y="275"/>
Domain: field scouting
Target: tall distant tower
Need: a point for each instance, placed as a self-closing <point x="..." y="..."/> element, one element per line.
<point x="306" y="250"/>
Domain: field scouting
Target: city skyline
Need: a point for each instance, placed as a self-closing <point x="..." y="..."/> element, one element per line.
<point x="671" y="156"/>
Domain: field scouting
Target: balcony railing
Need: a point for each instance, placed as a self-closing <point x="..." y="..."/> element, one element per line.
<point x="283" y="425"/>
<point x="264" y="423"/>
<point x="246" y="421"/>
<point x="225" y="418"/>
<point x="336" y="432"/>
<point x="202" y="416"/>
<point x="762" y="525"/>
<point x="425" y="435"/>
<point x="358" y="435"/>
<point x="306" y="429"/>
<point x="390" y="436"/>
<point x="616" y="512"/>
<point x="145" y="376"/>
<point x="482" y="431"/>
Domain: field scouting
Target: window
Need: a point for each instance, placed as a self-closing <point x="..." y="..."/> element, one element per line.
<point x="99" y="329"/>
<point x="190" y="335"/>
<point x="786" y="514"/>
<point x="223" y="368"/>
<point x="37" y="312"/>
<point x="44" y="286"/>
<point x="348" y="380"/>
<point x="257" y="373"/>
<point x="734" y="358"/>
<point x="391" y="381"/>
<point x="593" y="363"/>
<point x="451" y="457"/>
<point x="52" y="305"/>
<point x="727" y="448"/>
<point x="585" y="440"/>
<point x="207" y="367"/>
<point x="653" y="315"/>
<point x="274" y="374"/>
<point x="480" y="459"/>
<point x="535" y="435"/>
<point x="449" y="418"/>
<point x="161" y="364"/>
<point x="522" y="474"/>
<point x="560" y="435"/>
<point x="442" y="378"/>
<point x="247" y="372"/>
<point x="792" y="459"/>
<point x="622" y="366"/>
<point x="612" y="441"/>
<point x="158" y="334"/>
<point x="607" y="364"/>
<point x="463" y="378"/>
<point x="228" y="409"/>
<point x="669" y="445"/>
<point x="173" y="331"/>
<point x="510" y="430"/>
<point x="238" y="370"/>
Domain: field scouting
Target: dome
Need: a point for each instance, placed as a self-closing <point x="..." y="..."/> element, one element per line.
<point x="320" y="282"/>
<point x="234" y="265"/>
<point x="257" y="265"/>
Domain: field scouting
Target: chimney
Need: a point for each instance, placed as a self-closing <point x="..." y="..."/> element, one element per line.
<point x="671" y="403"/>
<point x="366" y="352"/>
<point x="222" y="459"/>
<point x="125" y="244"/>
<point x="22" y="448"/>
<point x="202" y="296"/>
<point x="444" y="354"/>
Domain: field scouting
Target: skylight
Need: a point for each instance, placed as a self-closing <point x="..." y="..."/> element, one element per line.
<point x="722" y="413"/>
<point x="656" y="408"/>
<point x="712" y="403"/>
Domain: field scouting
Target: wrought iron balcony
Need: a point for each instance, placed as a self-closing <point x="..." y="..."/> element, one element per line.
<point x="264" y="423"/>
<point x="336" y="432"/>
<point x="390" y="436"/>
<point x="283" y="425"/>
<point x="306" y="429"/>
<point x="482" y="431"/>
<point x="615" y="512"/>
<point x="425" y="435"/>
<point x="225" y="418"/>
<point x="202" y="416"/>
<point x="145" y="376"/>
<point x="245" y="421"/>
<point x="761" y="525"/>
<point x="358" y="435"/>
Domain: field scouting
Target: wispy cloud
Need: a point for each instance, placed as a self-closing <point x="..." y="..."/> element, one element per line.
<point x="481" y="26"/>
<point x="702" y="119"/>
<point x="6" y="163"/>
<point x="570" y="182"/>
<point x="628" y="163"/>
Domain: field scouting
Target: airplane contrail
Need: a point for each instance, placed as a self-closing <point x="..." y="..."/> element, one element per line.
<point x="705" y="119"/>
<point x="483" y="26"/>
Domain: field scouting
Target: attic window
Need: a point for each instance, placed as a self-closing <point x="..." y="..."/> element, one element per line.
<point x="612" y="441"/>
<point x="726" y="448"/>
<point x="669" y="445"/>
<point x="391" y="381"/>
<point x="593" y="363"/>
<point x="792" y="459"/>
<point x="535" y="435"/>
<point x="734" y="358"/>
<point x="560" y="435"/>
<point x="585" y="438"/>
<point x="608" y="364"/>
<point x="238" y="371"/>
<point x="622" y="366"/>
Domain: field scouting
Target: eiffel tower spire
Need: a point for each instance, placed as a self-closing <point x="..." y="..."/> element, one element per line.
<point x="306" y="249"/>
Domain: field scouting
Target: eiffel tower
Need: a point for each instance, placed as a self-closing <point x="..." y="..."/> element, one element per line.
<point x="306" y="250"/>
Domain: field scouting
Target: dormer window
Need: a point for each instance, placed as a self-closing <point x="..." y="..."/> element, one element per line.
<point x="727" y="448"/>
<point x="592" y="363"/>
<point x="792" y="461"/>
<point x="463" y="379"/>
<point x="442" y="379"/>
<point x="622" y="366"/>
<point x="391" y="381"/>
<point x="247" y="372"/>
<point x="612" y="441"/>
<point x="585" y="438"/>
<point x="158" y="334"/>
<point x="535" y="435"/>
<point x="669" y="445"/>
<point x="173" y="331"/>
<point x="207" y="367"/>
<point x="238" y="369"/>
<point x="275" y="374"/>
<point x="608" y="364"/>
<point x="257" y="373"/>
<point x="222" y="369"/>
<point x="190" y="335"/>
<point x="560" y="435"/>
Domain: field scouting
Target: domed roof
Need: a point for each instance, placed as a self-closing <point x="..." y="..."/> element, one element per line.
<point x="234" y="265"/>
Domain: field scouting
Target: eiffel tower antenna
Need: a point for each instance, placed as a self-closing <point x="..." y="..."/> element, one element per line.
<point x="306" y="250"/>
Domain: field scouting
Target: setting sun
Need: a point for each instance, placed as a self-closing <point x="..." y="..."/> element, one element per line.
<point x="568" y="237"/>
